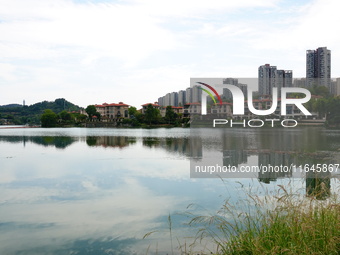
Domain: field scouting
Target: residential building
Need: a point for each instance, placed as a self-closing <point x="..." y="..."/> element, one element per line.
<point x="113" y="111"/>
<point x="299" y="83"/>
<point x="196" y="94"/>
<point x="318" y="67"/>
<point x="244" y="88"/>
<point x="270" y="77"/>
<point x="333" y="88"/>
<point x="232" y="81"/>
<point x="266" y="79"/>
<point x="161" y="101"/>
<point x="145" y="106"/>
<point x="284" y="78"/>
<point x="191" y="109"/>
<point x="188" y="95"/>
<point x="177" y="109"/>
<point x="173" y="99"/>
<point x="337" y="87"/>
<point x="181" y="98"/>
<point x="226" y="92"/>
<point x="221" y="110"/>
<point x="167" y="99"/>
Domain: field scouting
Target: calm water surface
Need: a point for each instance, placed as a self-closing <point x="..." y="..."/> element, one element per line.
<point x="99" y="191"/>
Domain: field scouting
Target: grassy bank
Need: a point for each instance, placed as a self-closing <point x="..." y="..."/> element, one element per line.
<point x="284" y="223"/>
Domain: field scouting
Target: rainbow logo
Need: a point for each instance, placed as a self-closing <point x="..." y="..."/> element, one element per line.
<point x="210" y="94"/>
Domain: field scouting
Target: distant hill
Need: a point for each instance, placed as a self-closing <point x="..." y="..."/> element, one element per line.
<point x="57" y="106"/>
<point x="19" y="114"/>
<point x="10" y="105"/>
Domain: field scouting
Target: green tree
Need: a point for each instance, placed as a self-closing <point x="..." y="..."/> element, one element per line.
<point x="91" y="111"/>
<point x="333" y="116"/>
<point x="97" y="114"/>
<point x="132" y="111"/>
<point x="320" y="91"/>
<point x="170" y="115"/>
<point x="321" y="106"/>
<point x="49" y="118"/>
<point x="151" y="114"/>
<point x="65" y="116"/>
<point x="81" y="117"/>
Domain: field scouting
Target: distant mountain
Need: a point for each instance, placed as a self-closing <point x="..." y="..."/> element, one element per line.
<point x="10" y="106"/>
<point x="19" y="114"/>
<point x="57" y="106"/>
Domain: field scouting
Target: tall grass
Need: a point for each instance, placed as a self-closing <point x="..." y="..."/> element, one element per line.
<point x="282" y="223"/>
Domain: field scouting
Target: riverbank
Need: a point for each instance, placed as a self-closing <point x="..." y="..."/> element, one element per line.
<point x="278" y="224"/>
<point x="115" y="125"/>
<point x="18" y="126"/>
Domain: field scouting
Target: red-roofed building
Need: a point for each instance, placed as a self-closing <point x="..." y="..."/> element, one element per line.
<point x="176" y="109"/>
<point x="191" y="109"/>
<point x="156" y="105"/>
<point x="113" y="111"/>
<point x="224" y="109"/>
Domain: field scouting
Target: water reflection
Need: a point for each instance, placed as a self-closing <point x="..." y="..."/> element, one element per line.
<point x="189" y="147"/>
<point x="110" y="141"/>
<point x="270" y="147"/>
<point x="275" y="159"/>
<point x="92" y="197"/>
<point x="60" y="142"/>
<point x="231" y="147"/>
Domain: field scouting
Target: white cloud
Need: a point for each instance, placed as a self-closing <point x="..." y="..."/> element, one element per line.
<point x="105" y="214"/>
<point x="107" y="30"/>
<point x="198" y="9"/>
<point x="310" y="28"/>
<point x="136" y="51"/>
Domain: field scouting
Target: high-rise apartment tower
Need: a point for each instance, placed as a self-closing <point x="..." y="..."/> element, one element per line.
<point x="318" y="67"/>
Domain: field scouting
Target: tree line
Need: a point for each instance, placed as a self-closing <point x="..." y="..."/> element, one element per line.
<point x="151" y="117"/>
<point x="21" y="115"/>
<point x="63" y="113"/>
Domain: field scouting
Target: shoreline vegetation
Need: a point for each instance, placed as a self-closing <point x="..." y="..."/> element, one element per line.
<point x="284" y="222"/>
<point x="62" y="113"/>
<point x="293" y="226"/>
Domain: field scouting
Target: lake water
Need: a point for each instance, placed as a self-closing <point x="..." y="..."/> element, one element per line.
<point x="99" y="191"/>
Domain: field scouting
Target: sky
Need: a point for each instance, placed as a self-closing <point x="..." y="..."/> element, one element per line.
<point x="134" y="51"/>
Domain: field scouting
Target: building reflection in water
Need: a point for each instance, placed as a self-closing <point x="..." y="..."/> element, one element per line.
<point x="188" y="147"/>
<point x="195" y="147"/>
<point x="234" y="157"/>
<point x="235" y="150"/>
<point x="274" y="159"/>
<point x="110" y="141"/>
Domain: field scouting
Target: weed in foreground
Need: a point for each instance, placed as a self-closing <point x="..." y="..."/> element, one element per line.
<point x="282" y="223"/>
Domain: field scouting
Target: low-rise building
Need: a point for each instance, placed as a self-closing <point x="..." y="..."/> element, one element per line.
<point x="191" y="109"/>
<point x="156" y="105"/>
<point x="113" y="112"/>
<point x="177" y="109"/>
<point x="225" y="109"/>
